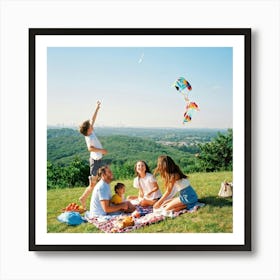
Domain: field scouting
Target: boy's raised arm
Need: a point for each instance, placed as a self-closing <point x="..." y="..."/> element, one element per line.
<point x="93" y="118"/>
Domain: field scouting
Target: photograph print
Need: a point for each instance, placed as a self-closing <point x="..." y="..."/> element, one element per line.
<point x="139" y="139"/>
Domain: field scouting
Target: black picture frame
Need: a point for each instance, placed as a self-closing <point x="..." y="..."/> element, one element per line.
<point x="34" y="33"/>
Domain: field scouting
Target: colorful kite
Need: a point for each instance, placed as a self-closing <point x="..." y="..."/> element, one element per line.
<point x="190" y="108"/>
<point x="184" y="87"/>
<point x="187" y="118"/>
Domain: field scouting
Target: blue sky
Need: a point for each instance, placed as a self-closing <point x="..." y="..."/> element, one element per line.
<point x="139" y="94"/>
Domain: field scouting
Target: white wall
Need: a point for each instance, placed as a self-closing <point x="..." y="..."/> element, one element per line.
<point x="17" y="262"/>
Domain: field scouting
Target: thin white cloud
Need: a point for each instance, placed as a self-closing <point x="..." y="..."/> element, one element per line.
<point x="141" y="58"/>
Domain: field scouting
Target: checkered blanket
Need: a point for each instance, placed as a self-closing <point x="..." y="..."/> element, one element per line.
<point x="110" y="223"/>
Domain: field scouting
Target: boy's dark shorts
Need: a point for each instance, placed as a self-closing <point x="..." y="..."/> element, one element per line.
<point x="95" y="165"/>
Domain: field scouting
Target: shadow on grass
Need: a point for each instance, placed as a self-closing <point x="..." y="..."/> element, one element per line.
<point x="216" y="201"/>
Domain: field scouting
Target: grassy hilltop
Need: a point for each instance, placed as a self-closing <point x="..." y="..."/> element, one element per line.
<point x="68" y="171"/>
<point x="214" y="217"/>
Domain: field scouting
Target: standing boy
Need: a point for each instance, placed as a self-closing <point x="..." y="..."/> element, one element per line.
<point x="96" y="152"/>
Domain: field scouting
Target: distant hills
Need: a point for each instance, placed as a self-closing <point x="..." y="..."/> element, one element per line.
<point x="127" y="145"/>
<point x="154" y="133"/>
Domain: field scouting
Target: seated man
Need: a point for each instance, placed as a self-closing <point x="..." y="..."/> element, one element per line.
<point x="100" y="201"/>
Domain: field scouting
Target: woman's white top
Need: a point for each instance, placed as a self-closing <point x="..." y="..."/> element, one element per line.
<point x="178" y="186"/>
<point x="147" y="185"/>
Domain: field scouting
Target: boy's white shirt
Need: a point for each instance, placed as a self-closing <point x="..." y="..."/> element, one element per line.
<point x="92" y="140"/>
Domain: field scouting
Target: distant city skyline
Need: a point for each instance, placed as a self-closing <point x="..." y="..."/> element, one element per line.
<point x="134" y="85"/>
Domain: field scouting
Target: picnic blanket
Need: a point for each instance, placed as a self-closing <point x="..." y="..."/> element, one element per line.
<point x="111" y="223"/>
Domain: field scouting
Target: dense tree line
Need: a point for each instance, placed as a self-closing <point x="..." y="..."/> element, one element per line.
<point x="217" y="154"/>
<point x="68" y="157"/>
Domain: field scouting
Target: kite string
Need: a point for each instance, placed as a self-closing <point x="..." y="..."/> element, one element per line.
<point x="185" y="96"/>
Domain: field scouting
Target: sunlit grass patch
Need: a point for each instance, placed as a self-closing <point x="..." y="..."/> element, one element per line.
<point x="214" y="217"/>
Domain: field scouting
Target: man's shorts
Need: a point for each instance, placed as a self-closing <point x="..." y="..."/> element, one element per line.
<point x="94" y="165"/>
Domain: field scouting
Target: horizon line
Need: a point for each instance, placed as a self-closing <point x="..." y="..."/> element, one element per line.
<point x="137" y="127"/>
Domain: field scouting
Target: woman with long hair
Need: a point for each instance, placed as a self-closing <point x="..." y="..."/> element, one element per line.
<point x="175" y="181"/>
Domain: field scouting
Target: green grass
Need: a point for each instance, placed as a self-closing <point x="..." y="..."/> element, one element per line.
<point x="214" y="217"/>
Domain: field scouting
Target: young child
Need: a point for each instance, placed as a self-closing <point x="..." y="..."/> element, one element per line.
<point x="118" y="197"/>
<point x="149" y="191"/>
<point x="96" y="152"/>
<point x="175" y="182"/>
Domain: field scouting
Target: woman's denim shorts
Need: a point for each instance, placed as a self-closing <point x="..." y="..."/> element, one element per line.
<point x="189" y="197"/>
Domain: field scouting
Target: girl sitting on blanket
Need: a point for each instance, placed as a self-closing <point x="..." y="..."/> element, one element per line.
<point x="149" y="192"/>
<point x="175" y="182"/>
